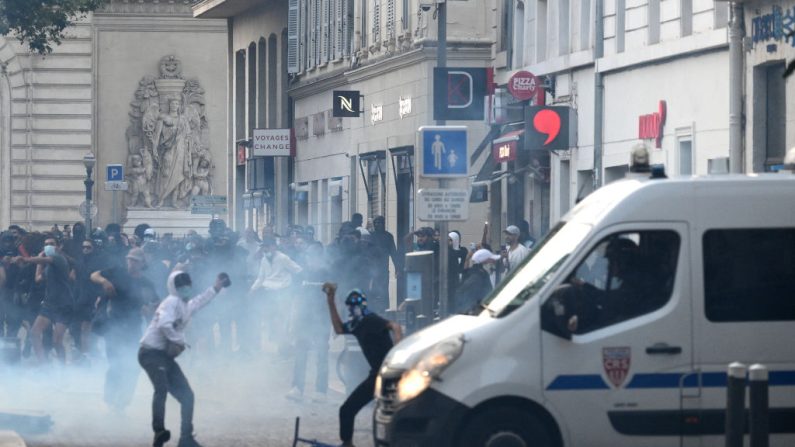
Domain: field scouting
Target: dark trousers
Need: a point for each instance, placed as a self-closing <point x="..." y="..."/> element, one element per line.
<point x="358" y="399"/>
<point x="167" y="377"/>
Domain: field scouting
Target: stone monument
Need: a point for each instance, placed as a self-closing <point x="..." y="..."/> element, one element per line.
<point x="168" y="153"/>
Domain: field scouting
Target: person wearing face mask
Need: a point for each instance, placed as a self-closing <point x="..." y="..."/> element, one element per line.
<point x="267" y="301"/>
<point x="477" y="282"/>
<point x="128" y="294"/>
<point x="372" y="333"/>
<point x="162" y="342"/>
<point x="53" y="269"/>
<point x="456" y="256"/>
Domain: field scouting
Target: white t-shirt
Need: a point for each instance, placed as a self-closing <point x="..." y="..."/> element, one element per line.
<point x="516" y="256"/>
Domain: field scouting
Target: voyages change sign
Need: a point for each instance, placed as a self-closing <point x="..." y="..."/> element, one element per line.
<point x="272" y="143"/>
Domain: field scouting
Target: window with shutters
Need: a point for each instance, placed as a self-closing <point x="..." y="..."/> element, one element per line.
<point x="363" y="25"/>
<point x="293" y="30"/>
<point x="337" y="30"/>
<point x="325" y="38"/>
<point x="347" y="26"/>
<point x="376" y="22"/>
<point x="391" y="18"/>
<point x="405" y="16"/>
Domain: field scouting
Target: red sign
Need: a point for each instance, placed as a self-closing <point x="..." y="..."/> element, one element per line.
<point x="523" y="85"/>
<point x="650" y="127"/>
<point x="503" y="152"/>
<point x="616" y="362"/>
<point x="241" y="155"/>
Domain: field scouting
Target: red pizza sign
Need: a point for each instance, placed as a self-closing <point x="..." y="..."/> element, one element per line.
<point x="523" y="85"/>
<point x="616" y="362"/>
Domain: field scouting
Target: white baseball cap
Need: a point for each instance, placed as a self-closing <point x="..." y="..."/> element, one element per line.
<point x="484" y="255"/>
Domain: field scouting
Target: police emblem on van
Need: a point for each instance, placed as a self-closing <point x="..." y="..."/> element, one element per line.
<point x="616" y="362"/>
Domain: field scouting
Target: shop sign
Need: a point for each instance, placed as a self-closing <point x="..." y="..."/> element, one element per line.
<point x="404" y="106"/>
<point x="376" y="113"/>
<point x="523" y="85"/>
<point x="650" y="127"/>
<point x="778" y="25"/>
<point x="241" y="154"/>
<point x="458" y="93"/>
<point x="550" y="128"/>
<point x="346" y="103"/>
<point x="272" y="143"/>
<point x="504" y="148"/>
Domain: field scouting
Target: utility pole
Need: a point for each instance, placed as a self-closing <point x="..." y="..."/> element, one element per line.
<point x="441" y="62"/>
<point x="599" y="94"/>
<point x="736" y="34"/>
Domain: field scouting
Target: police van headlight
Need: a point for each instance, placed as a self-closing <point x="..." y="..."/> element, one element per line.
<point x="428" y="367"/>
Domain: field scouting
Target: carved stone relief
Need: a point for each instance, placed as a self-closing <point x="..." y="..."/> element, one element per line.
<point x="169" y="158"/>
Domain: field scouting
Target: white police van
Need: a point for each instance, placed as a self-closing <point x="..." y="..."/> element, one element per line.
<point x="618" y="329"/>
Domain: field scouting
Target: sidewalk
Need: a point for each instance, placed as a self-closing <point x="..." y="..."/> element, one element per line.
<point x="10" y="439"/>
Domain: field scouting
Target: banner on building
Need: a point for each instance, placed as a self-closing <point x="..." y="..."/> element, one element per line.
<point x="458" y="93"/>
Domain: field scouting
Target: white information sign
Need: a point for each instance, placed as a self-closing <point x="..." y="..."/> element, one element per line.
<point x="271" y="143"/>
<point x="443" y="204"/>
<point x="116" y="186"/>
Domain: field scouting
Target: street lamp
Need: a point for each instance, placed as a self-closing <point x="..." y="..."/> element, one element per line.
<point x="89" y="161"/>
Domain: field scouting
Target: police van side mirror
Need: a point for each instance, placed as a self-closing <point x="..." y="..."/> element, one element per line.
<point x="556" y="312"/>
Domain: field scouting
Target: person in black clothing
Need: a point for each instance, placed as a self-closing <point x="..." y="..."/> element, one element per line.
<point x="53" y="270"/>
<point x="10" y="310"/>
<point x="456" y="257"/>
<point x="87" y="293"/>
<point x="383" y="244"/>
<point x="129" y="295"/>
<point x="372" y="333"/>
<point x="73" y="247"/>
<point x="477" y="282"/>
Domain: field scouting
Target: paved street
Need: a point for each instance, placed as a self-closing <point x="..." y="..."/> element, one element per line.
<point x="239" y="404"/>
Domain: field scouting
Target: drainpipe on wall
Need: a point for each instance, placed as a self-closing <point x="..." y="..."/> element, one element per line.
<point x="599" y="93"/>
<point x="736" y="35"/>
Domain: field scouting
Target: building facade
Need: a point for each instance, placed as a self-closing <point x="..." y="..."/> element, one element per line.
<point x="87" y="97"/>
<point x="658" y="76"/>
<point x="257" y="93"/>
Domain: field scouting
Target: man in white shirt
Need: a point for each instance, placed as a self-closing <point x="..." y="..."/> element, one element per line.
<point x="276" y="271"/>
<point x="513" y="252"/>
<point x="162" y="342"/>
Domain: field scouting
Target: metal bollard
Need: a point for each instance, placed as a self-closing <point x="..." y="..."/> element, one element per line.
<point x="758" y="396"/>
<point x="735" y="405"/>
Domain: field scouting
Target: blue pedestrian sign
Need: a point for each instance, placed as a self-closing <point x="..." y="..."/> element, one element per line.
<point x="114" y="173"/>
<point x="444" y="151"/>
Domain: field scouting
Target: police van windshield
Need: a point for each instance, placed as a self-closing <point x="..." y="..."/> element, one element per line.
<point x="524" y="282"/>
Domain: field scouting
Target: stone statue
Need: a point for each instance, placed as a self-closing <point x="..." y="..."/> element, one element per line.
<point x="137" y="179"/>
<point x="168" y="140"/>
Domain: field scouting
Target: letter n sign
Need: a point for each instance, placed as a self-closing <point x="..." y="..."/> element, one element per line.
<point x="346" y="103"/>
<point x="458" y="93"/>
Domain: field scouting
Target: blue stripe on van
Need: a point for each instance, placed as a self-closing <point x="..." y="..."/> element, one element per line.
<point x="661" y="380"/>
<point x="578" y="382"/>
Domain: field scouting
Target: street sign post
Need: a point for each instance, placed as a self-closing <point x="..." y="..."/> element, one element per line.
<point x="114" y="173"/>
<point x="443" y="204"/>
<point x="444" y="151"/>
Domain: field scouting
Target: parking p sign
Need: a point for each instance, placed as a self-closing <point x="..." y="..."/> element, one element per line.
<point x="114" y="173"/>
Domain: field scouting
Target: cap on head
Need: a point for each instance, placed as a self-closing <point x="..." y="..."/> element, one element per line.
<point x="481" y="256"/>
<point x="512" y="229"/>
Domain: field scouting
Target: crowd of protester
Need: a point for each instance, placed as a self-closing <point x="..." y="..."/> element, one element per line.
<point x="106" y="284"/>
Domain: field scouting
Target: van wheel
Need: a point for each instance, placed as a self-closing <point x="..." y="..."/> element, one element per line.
<point x="504" y="427"/>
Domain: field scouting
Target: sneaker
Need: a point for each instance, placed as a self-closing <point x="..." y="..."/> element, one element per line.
<point x="188" y="441"/>
<point x="295" y="394"/>
<point x="161" y="438"/>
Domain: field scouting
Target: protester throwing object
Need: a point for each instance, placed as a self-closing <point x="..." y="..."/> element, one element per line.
<point x="163" y="341"/>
